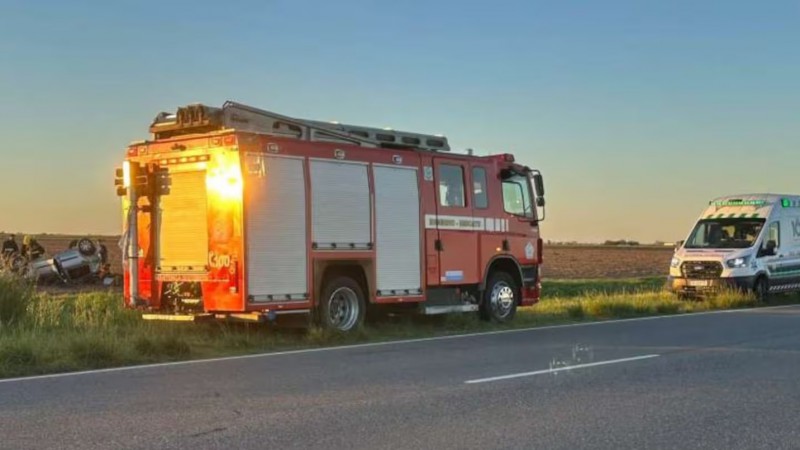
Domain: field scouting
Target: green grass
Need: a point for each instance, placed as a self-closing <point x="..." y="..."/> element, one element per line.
<point x="580" y="288"/>
<point x="42" y="333"/>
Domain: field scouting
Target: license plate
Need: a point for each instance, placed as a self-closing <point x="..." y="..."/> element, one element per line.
<point x="699" y="283"/>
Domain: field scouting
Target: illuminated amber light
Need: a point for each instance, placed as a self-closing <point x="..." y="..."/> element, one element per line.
<point x="225" y="178"/>
<point x="126" y="174"/>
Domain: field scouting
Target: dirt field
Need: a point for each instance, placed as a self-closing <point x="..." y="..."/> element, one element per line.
<point x="575" y="262"/>
<point x="560" y="262"/>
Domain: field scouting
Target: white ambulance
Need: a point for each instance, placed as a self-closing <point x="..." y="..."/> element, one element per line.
<point x="749" y="242"/>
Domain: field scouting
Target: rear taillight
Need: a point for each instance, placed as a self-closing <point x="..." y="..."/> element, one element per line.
<point x="234" y="273"/>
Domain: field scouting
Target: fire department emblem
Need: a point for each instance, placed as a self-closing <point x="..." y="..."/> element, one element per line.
<point x="529" y="250"/>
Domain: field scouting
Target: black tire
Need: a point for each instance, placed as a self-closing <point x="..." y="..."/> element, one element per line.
<point x="18" y="264"/>
<point x="342" y="305"/>
<point x="496" y="305"/>
<point x="761" y="289"/>
<point x="86" y="247"/>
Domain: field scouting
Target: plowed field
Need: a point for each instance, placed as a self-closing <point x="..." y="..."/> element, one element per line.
<point x="576" y="262"/>
<point x="560" y="262"/>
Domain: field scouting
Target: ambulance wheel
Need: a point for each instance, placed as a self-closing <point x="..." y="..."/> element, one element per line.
<point x="761" y="289"/>
<point x="342" y="305"/>
<point x="500" y="299"/>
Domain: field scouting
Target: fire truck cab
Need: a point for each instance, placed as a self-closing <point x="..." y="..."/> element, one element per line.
<point x="241" y="213"/>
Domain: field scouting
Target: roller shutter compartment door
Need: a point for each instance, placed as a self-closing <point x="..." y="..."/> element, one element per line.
<point x="275" y="211"/>
<point x="340" y="205"/>
<point x="183" y="224"/>
<point x="398" y="230"/>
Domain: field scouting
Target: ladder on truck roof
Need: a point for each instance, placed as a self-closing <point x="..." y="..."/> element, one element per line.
<point x="199" y="118"/>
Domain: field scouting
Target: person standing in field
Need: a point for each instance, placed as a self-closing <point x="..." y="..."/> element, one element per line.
<point x="102" y="251"/>
<point x="10" y="246"/>
<point x="31" y="248"/>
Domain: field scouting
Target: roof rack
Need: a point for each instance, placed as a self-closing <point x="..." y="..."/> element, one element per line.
<point x="199" y="118"/>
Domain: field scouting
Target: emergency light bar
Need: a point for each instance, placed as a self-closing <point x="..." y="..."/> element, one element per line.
<point x="738" y="202"/>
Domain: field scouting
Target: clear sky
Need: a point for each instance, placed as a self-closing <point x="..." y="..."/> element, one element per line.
<point x="637" y="112"/>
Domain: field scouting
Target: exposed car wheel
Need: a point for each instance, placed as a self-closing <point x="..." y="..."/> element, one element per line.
<point x="500" y="299"/>
<point x="86" y="247"/>
<point x="342" y="305"/>
<point x="18" y="263"/>
<point x="761" y="289"/>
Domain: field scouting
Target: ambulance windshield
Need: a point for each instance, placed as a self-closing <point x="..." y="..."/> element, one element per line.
<point x="725" y="233"/>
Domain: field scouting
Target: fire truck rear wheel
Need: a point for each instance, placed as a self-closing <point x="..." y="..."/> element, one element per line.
<point x="342" y="305"/>
<point x="500" y="298"/>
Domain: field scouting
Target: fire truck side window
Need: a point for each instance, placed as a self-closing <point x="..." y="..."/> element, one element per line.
<point x="479" y="197"/>
<point x="451" y="186"/>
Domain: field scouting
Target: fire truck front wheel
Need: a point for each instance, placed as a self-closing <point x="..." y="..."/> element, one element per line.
<point x="342" y="305"/>
<point x="500" y="298"/>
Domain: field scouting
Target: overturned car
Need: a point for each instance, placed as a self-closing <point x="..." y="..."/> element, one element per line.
<point x="81" y="263"/>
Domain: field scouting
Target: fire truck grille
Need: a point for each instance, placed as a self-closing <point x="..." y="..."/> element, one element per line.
<point x="701" y="269"/>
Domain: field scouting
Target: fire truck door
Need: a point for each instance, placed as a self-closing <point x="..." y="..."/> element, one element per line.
<point x="457" y="229"/>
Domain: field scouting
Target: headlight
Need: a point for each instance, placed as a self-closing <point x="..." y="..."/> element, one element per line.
<point x="738" y="263"/>
<point x="675" y="263"/>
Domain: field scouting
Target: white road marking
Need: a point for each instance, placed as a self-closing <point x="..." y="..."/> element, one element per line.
<point x="380" y="344"/>
<point x="559" y="369"/>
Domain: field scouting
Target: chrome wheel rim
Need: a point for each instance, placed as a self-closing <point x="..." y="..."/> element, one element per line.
<point x="502" y="299"/>
<point x="343" y="309"/>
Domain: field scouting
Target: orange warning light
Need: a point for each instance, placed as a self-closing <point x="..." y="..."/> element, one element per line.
<point x="225" y="178"/>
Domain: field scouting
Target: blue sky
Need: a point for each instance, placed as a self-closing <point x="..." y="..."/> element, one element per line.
<point x="637" y="112"/>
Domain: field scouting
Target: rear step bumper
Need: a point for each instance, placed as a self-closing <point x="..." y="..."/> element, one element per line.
<point x="433" y="310"/>
<point x="254" y="317"/>
<point x="178" y="317"/>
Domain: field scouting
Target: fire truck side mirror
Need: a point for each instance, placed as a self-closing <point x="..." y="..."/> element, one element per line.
<point x="119" y="182"/>
<point x="538" y="184"/>
<point x="141" y="181"/>
<point x="142" y="184"/>
<point x="163" y="181"/>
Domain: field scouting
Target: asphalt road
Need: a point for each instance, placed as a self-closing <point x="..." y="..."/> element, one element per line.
<point x="726" y="380"/>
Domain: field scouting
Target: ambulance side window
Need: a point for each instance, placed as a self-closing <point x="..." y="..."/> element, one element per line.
<point x="479" y="197"/>
<point x="451" y="186"/>
<point x="773" y="234"/>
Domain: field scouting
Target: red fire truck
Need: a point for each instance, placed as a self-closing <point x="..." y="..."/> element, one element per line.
<point x="241" y="213"/>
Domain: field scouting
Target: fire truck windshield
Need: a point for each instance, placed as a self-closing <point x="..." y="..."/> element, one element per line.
<point x="517" y="196"/>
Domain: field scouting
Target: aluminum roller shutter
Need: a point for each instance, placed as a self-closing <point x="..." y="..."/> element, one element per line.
<point x="183" y="224"/>
<point x="275" y="211"/>
<point x="340" y="205"/>
<point x="398" y="233"/>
